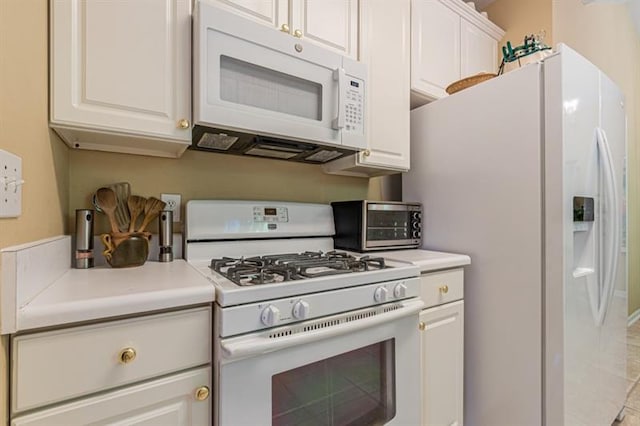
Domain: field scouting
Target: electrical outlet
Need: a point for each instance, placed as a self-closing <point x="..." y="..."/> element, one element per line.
<point x="173" y="204"/>
<point x="10" y="184"/>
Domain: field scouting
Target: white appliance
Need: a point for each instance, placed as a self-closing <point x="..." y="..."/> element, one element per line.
<point x="303" y="334"/>
<point x="526" y="174"/>
<point x="265" y="93"/>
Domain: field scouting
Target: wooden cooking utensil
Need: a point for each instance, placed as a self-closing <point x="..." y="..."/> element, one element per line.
<point x="152" y="208"/>
<point x="136" y="206"/>
<point x="106" y="200"/>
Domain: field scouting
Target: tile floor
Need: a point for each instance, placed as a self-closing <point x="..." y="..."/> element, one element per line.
<point x="632" y="407"/>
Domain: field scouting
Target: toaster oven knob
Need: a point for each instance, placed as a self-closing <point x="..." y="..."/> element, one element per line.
<point x="416" y="216"/>
<point x="301" y="310"/>
<point x="415" y="234"/>
<point x="380" y="295"/>
<point x="270" y="316"/>
<point x="400" y="291"/>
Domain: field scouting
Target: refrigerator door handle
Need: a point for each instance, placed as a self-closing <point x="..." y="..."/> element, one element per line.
<point x="613" y="234"/>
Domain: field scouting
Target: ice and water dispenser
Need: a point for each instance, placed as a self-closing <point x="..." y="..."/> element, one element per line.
<point x="584" y="252"/>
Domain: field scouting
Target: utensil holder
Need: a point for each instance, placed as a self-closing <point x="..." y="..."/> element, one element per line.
<point x="126" y="250"/>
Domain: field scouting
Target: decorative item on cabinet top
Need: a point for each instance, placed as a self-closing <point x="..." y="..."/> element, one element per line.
<point x="127" y="244"/>
<point x="469" y="82"/>
<point x="532" y="50"/>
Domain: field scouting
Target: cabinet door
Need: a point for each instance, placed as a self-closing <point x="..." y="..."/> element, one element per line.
<point x="274" y="13"/>
<point x="173" y="400"/>
<point x="435" y="47"/>
<point x="122" y="66"/>
<point x="442" y="364"/>
<point x="385" y="47"/>
<point x="332" y="24"/>
<point x="479" y="51"/>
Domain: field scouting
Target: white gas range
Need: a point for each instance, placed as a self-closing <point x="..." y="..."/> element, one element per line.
<point x="303" y="333"/>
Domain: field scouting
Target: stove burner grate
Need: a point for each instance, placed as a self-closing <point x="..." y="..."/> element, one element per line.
<point x="270" y="269"/>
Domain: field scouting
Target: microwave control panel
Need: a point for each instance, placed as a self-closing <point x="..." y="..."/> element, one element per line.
<point x="354" y="106"/>
<point x="270" y="214"/>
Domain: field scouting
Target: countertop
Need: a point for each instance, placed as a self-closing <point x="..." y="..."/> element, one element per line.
<point x="427" y="260"/>
<point x="48" y="294"/>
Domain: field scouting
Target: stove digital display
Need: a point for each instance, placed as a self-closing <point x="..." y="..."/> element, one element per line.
<point x="263" y="214"/>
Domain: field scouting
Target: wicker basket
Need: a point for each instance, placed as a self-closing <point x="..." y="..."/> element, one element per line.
<point x="468" y="82"/>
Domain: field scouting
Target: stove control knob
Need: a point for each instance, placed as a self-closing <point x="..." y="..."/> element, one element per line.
<point x="400" y="291"/>
<point x="270" y="316"/>
<point x="416" y="234"/>
<point x="380" y="295"/>
<point x="301" y="310"/>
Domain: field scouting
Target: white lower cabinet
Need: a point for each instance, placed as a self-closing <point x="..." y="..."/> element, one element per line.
<point x="152" y="369"/>
<point x="177" y="400"/>
<point x="442" y="353"/>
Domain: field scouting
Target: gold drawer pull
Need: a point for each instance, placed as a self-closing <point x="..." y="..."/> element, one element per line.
<point x="184" y="123"/>
<point x="444" y="289"/>
<point x="422" y="326"/>
<point x="202" y="393"/>
<point x="127" y="355"/>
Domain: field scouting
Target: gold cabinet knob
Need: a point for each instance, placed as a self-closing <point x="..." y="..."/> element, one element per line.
<point x="285" y="28"/>
<point x="444" y="289"/>
<point x="422" y="326"/>
<point x="127" y="355"/>
<point x="297" y="33"/>
<point x="202" y="393"/>
<point x="184" y="123"/>
<point x="366" y="153"/>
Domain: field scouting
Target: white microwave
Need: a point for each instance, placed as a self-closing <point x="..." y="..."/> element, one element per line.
<point x="262" y="92"/>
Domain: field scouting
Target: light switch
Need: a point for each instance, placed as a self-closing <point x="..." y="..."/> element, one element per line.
<point x="10" y="184"/>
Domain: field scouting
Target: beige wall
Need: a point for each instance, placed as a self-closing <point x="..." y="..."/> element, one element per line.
<point x="199" y="175"/>
<point x="24" y="132"/>
<point x="520" y="18"/>
<point x="605" y="34"/>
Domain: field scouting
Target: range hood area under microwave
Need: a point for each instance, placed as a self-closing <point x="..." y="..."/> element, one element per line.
<point x="264" y="93"/>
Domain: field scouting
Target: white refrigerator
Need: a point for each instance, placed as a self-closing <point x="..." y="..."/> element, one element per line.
<point x="526" y="174"/>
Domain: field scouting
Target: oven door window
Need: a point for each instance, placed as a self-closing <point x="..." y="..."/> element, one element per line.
<point x="388" y="225"/>
<point x="353" y="388"/>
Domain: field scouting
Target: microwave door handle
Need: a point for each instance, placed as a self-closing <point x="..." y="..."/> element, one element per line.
<point x="340" y="76"/>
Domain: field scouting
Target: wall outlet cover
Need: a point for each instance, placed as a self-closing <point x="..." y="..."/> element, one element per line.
<point x="10" y="184"/>
<point x="173" y="203"/>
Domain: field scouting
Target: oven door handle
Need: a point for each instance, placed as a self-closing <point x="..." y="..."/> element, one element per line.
<point x="256" y="345"/>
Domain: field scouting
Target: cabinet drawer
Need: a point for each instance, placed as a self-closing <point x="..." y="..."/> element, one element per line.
<point x="52" y="366"/>
<point x="442" y="287"/>
<point x="170" y="400"/>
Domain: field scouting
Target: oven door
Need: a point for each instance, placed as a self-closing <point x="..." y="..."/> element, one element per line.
<point x="391" y="225"/>
<point x="249" y="78"/>
<point x="357" y="368"/>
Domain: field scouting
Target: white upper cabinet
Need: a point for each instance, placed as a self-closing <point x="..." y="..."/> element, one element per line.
<point x="449" y="41"/>
<point x="385" y="47"/>
<point x="479" y="51"/>
<point x="435" y="47"/>
<point x="333" y="24"/>
<point x="121" y="75"/>
<point x="274" y="13"/>
<point x="329" y="23"/>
